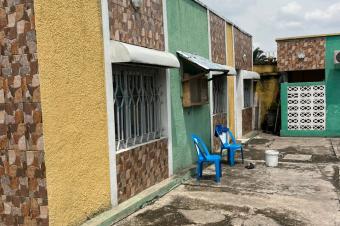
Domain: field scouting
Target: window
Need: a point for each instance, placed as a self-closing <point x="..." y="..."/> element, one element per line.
<point x="138" y="104"/>
<point x="247" y="93"/>
<point x="220" y="95"/>
<point x="195" y="90"/>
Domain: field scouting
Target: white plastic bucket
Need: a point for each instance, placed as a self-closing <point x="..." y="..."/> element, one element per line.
<point x="272" y="158"/>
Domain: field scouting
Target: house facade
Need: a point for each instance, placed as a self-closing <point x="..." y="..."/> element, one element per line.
<point x="246" y="103"/>
<point x="309" y="96"/>
<point x="96" y="105"/>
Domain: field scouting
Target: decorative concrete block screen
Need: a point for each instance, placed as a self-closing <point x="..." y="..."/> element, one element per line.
<point x="304" y="108"/>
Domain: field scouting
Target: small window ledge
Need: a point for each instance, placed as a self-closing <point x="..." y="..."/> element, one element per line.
<point x="139" y="145"/>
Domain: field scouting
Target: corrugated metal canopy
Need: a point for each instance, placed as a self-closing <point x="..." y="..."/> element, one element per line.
<point x="205" y="64"/>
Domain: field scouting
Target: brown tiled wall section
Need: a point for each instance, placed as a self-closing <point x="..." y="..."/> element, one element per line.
<point x="243" y="46"/>
<point x="22" y="168"/>
<point x="219" y="119"/>
<point x="218" y="40"/>
<point x="142" y="27"/>
<point x="140" y="168"/>
<point x="247" y="120"/>
<point x="313" y="48"/>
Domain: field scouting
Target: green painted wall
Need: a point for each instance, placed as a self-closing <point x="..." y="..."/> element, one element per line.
<point x="332" y="96"/>
<point x="333" y="87"/>
<point x="188" y="31"/>
<point x="284" y="115"/>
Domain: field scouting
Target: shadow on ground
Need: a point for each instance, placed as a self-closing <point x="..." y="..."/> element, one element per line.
<point x="295" y="193"/>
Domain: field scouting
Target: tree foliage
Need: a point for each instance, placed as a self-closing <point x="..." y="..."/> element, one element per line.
<point x="260" y="58"/>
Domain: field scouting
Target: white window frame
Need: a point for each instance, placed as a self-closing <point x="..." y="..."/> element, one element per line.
<point x="220" y="95"/>
<point x="146" y="104"/>
<point x="250" y="94"/>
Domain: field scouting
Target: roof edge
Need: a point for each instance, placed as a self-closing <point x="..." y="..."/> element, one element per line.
<point x="222" y="17"/>
<point x="307" y="37"/>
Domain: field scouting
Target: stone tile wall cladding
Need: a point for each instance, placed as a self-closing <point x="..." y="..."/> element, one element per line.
<point x="218" y="43"/>
<point x="313" y="48"/>
<point x="219" y="119"/>
<point x="247" y="120"/>
<point x="142" y="27"/>
<point x="243" y="50"/>
<point x="22" y="168"/>
<point x="140" y="168"/>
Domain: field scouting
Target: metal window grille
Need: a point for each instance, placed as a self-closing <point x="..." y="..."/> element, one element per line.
<point x="137" y="105"/>
<point x="247" y="93"/>
<point x="219" y="95"/>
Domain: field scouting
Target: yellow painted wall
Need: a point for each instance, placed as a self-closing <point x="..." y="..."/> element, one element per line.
<point x="268" y="91"/>
<point x="265" y="69"/>
<point x="230" y="46"/>
<point x="267" y="88"/>
<point x="231" y="79"/>
<point x="71" y="64"/>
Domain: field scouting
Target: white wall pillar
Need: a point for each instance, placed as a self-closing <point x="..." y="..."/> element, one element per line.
<point x="109" y="103"/>
<point x="168" y="92"/>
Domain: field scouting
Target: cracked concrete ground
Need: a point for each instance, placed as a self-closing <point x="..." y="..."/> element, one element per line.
<point x="295" y="193"/>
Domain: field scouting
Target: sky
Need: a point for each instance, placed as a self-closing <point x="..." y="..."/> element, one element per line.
<point x="267" y="20"/>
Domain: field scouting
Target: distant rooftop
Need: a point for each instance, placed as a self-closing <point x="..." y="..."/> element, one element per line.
<point x="307" y="36"/>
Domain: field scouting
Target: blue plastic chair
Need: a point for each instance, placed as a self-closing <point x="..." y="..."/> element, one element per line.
<point x="230" y="147"/>
<point x="205" y="157"/>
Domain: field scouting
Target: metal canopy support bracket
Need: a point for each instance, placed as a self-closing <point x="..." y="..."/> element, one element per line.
<point x="218" y="76"/>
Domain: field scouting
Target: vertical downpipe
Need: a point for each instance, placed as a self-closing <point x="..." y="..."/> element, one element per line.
<point x="211" y="99"/>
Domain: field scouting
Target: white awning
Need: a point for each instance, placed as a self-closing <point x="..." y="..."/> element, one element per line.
<point x="206" y="64"/>
<point x="126" y="53"/>
<point x="249" y="74"/>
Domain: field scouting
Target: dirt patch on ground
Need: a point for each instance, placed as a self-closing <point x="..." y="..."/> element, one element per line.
<point x="167" y="216"/>
<point x="253" y="153"/>
<point x="336" y="179"/>
<point x="172" y="214"/>
<point x="258" y="141"/>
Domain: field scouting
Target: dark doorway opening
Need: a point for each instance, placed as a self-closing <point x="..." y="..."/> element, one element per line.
<point x="306" y="76"/>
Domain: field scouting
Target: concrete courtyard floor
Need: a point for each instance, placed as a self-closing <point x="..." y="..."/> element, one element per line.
<point x="303" y="190"/>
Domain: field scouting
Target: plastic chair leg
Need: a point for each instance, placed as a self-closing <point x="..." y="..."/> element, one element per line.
<point x="228" y="157"/>
<point x="217" y="171"/>
<point x="220" y="169"/>
<point x="242" y="155"/>
<point x="199" y="170"/>
<point x="232" y="158"/>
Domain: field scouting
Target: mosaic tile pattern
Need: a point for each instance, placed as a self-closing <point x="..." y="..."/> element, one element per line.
<point x="218" y="39"/>
<point x="243" y="50"/>
<point x="219" y="119"/>
<point x="140" y="168"/>
<point x="22" y="168"/>
<point x="142" y="27"/>
<point x="313" y="50"/>
<point x="306" y="107"/>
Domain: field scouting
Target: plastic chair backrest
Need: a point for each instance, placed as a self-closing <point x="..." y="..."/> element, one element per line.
<point x="219" y="129"/>
<point x="199" y="145"/>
